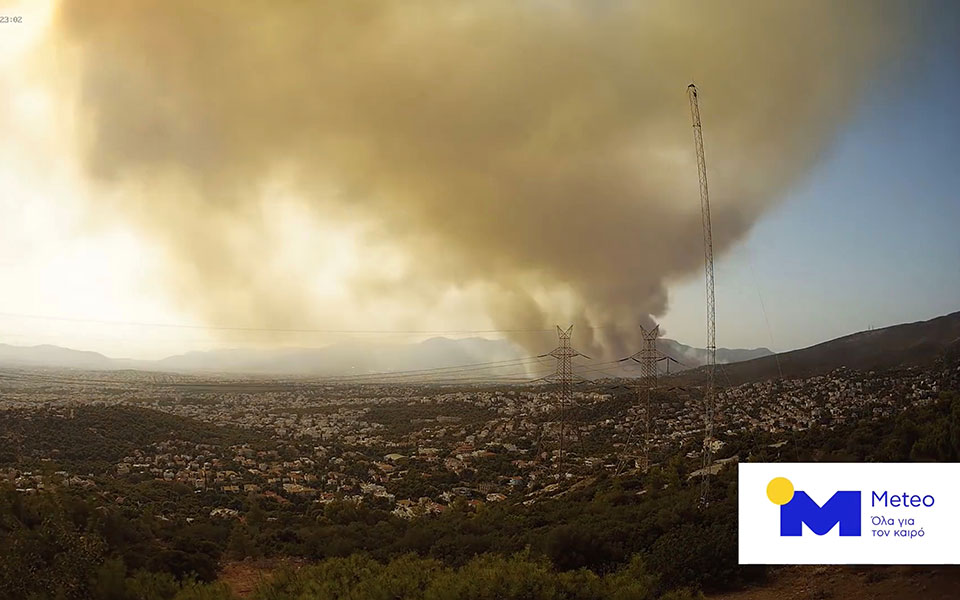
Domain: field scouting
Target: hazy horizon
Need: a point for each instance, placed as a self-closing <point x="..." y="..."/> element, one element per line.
<point x="353" y="342"/>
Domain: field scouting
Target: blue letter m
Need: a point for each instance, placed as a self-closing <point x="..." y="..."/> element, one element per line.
<point x="843" y="508"/>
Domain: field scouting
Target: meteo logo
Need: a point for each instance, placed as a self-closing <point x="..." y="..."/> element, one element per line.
<point x="797" y="508"/>
<point x="883" y="513"/>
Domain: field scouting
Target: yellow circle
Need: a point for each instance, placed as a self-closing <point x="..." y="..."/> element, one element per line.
<point x="780" y="490"/>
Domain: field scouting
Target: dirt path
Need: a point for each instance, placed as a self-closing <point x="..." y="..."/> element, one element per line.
<point x="243" y="577"/>
<point x="855" y="583"/>
<point x="787" y="583"/>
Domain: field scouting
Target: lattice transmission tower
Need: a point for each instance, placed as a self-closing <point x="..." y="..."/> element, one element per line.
<point x="709" y="400"/>
<point x="647" y="357"/>
<point x="564" y="378"/>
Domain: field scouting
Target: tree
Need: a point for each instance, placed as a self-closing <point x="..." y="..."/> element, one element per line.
<point x="240" y="544"/>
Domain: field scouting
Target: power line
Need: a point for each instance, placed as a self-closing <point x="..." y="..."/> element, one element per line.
<point x="281" y="329"/>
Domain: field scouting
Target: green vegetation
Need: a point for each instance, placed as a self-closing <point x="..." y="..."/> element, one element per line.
<point x="93" y="438"/>
<point x="486" y="577"/>
<point x="402" y="419"/>
<point x="631" y="537"/>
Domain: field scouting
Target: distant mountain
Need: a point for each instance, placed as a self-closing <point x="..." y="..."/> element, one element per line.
<point x="55" y="356"/>
<point x="907" y="344"/>
<point x="694" y="357"/>
<point x="900" y="345"/>
<point x="348" y="358"/>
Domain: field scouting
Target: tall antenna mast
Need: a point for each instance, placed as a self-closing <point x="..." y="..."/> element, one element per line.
<point x="710" y="394"/>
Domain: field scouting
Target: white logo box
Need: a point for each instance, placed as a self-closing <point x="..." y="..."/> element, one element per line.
<point x="915" y="533"/>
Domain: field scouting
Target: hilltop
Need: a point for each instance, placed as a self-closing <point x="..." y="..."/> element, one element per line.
<point x="908" y="344"/>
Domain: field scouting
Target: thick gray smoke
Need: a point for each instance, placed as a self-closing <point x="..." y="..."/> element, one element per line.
<point x="537" y="154"/>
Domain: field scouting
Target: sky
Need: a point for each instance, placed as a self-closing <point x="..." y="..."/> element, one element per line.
<point x="870" y="237"/>
<point x="131" y="223"/>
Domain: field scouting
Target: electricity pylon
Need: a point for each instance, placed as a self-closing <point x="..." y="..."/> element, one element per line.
<point x="564" y="378"/>
<point x="709" y="398"/>
<point x="647" y="357"/>
<point x="643" y="400"/>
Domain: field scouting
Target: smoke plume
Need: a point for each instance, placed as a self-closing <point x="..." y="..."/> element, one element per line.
<point x="534" y="156"/>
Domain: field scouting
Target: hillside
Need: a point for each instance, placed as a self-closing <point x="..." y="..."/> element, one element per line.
<point x="54" y="356"/>
<point x="899" y="345"/>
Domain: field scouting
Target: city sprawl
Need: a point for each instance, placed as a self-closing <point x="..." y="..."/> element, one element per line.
<point x="410" y="449"/>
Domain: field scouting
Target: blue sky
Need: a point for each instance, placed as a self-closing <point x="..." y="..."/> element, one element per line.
<point x="871" y="237"/>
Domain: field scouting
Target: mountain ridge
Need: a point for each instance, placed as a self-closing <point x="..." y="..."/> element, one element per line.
<point x="902" y="345"/>
<point x="344" y="358"/>
<point x="896" y="345"/>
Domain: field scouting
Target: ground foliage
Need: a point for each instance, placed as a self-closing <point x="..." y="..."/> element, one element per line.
<point x="641" y="536"/>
